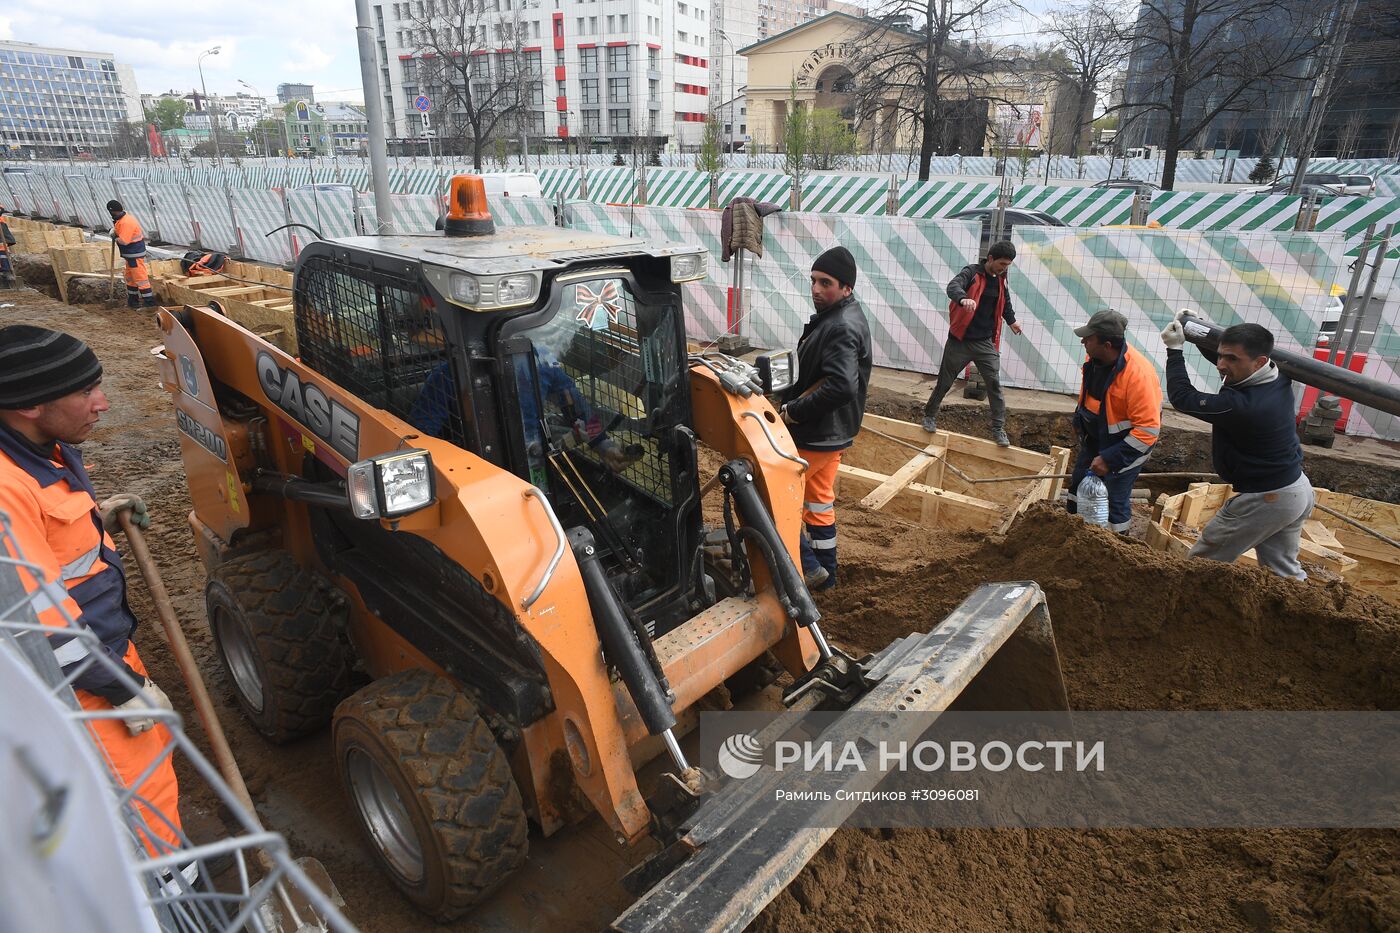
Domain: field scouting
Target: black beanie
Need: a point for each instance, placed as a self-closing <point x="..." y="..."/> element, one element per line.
<point x="38" y="366"/>
<point x="114" y="207"/>
<point x="838" y="263"/>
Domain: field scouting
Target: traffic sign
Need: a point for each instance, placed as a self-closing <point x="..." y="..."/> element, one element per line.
<point x="422" y="103"/>
<point x="425" y="119"/>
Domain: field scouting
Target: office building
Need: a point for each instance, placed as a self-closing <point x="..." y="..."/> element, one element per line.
<point x="61" y="102"/>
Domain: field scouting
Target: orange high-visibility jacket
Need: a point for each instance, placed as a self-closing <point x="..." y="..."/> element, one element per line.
<point x="54" y="519"/>
<point x="131" y="239"/>
<point x="1129" y="420"/>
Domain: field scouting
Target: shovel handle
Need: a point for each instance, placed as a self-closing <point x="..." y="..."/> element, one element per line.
<point x="223" y="755"/>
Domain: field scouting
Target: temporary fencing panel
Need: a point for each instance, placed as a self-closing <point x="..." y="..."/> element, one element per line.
<point x="612" y="186"/>
<point x="923" y="199"/>
<point x="528" y="212"/>
<point x="761" y="186"/>
<point x="215" y="226"/>
<point x="845" y="194"/>
<point x="675" y="187"/>
<point x="557" y="181"/>
<point x="1076" y="206"/>
<point x="259" y="213"/>
<point x="171" y="212"/>
<point x="329" y="210"/>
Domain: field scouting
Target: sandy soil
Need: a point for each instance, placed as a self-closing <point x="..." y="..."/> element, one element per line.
<point x="1136" y="629"/>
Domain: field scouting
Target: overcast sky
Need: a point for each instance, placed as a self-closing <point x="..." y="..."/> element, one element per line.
<point x="263" y="42"/>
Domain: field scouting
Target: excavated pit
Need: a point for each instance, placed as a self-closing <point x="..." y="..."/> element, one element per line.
<point x="1137" y="630"/>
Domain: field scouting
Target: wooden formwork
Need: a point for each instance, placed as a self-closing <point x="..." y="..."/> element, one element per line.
<point x="84" y="260"/>
<point x="1327" y="542"/>
<point x="36" y="236"/>
<point x="257" y="297"/>
<point x="925" y="487"/>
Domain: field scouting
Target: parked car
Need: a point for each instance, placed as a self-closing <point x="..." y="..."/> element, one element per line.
<point x="1360" y="185"/>
<point x="1014" y="217"/>
<point x="1316" y="191"/>
<point x="1327" y="179"/>
<point x="1138" y="186"/>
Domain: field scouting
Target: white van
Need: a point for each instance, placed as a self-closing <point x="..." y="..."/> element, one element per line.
<point x="512" y="185"/>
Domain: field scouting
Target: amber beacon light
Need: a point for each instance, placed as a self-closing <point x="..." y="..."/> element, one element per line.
<point x="467" y="211"/>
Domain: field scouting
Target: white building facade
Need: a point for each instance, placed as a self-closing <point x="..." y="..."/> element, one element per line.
<point x="600" y="71"/>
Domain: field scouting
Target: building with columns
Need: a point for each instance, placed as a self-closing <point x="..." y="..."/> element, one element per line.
<point x="823" y="58"/>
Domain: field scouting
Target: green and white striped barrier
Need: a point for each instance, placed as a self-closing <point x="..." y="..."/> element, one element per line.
<point x="612" y="186"/>
<point x="677" y="187"/>
<point x="924" y="199"/>
<point x="1077" y="207"/>
<point x="555" y="182"/>
<point x="1196" y="210"/>
<point x="845" y="194"/>
<point x="773" y="187"/>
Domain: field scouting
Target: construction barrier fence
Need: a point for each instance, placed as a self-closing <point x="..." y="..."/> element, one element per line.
<point x="1259" y="270"/>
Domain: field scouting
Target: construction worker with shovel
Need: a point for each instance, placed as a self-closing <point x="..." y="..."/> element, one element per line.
<point x="130" y="240"/>
<point x="50" y="399"/>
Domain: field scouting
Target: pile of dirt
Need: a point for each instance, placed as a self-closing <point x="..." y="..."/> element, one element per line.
<point x="35" y="270"/>
<point x="1137" y="630"/>
<point x="98" y="293"/>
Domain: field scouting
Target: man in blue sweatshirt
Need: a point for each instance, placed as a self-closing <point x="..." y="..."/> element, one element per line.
<point x="1254" y="445"/>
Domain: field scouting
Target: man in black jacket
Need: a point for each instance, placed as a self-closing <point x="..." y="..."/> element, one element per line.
<point x="824" y="408"/>
<point x="1254" y="445"/>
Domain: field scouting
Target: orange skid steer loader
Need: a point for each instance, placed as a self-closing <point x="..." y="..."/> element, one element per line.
<point x="478" y="485"/>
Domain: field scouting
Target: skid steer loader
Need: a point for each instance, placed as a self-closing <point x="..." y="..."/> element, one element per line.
<point x="477" y="484"/>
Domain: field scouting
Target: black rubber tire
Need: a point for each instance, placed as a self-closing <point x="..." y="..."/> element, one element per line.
<point x="455" y="783"/>
<point x="299" y="655"/>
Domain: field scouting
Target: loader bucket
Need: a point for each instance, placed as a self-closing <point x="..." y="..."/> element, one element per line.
<point x="745" y="844"/>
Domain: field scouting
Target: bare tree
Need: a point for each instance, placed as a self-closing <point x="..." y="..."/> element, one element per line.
<point x="919" y="63"/>
<point x="1211" y="57"/>
<point x="1090" y="44"/>
<point x="1348" y="133"/>
<point x="469" y="58"/>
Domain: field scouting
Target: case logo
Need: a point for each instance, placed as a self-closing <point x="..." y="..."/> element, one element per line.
<point x="329" y="420"/>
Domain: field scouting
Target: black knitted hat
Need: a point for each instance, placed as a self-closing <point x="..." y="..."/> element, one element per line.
<point x="838" y="263"/>
<point x="114" y="207"/>
<point x="38" y="366"/>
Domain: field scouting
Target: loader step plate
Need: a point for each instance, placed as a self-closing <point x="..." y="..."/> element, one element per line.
<point x="746" y="842"/>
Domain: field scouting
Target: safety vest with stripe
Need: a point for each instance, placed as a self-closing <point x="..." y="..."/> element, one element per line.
<point x="55" y="522"/>
<point x="131" y="239"/>
<point x="1128" y="420"/>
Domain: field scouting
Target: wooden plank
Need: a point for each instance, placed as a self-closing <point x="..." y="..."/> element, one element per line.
<point x="234" y="291"/>
<point x="1318" y="533"/>
<point x="903" y="430"/>
<point x="1028" y="461"/>
<point x="987" y="514"/>
<point x="902" y="477"/>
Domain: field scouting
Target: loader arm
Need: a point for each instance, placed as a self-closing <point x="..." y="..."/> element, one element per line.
<point x="746" y="843"/>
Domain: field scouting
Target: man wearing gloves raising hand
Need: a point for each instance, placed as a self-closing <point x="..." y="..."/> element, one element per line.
<point x="50" y="399"/>
<point x="1254" y="446"/>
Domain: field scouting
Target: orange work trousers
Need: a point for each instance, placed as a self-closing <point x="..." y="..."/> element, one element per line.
<point x="138" y="283"/>
<point x="819" y="505"/>
<point x="128" y="756"/>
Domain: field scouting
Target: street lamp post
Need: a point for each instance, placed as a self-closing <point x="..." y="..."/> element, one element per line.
<point x="213" y="124"/>
<point x="267" y="150"/>
<point x="728" y="136"/>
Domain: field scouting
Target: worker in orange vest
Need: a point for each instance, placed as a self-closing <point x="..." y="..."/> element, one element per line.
<point x="131" y="241"/>
<point x="50" y="399"/>
<point x="7" y="239"/>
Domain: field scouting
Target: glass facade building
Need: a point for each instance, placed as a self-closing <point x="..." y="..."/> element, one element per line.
<point x="56" y="102"/>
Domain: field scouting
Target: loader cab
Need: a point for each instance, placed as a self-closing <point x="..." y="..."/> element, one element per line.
<point x="557" y="355"/>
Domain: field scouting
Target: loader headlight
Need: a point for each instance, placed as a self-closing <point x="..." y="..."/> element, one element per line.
<point x="391" y="485"/>
<point x="688" y="267"/>
<point x="488" y="292"/>
<point x="777" y="371"/>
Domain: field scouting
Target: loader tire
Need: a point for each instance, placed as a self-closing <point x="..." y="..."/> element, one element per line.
<point x="432" y="790"/>
<point x="280" y="637"/>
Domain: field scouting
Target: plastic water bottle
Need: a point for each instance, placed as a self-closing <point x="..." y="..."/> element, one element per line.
<point x="1092" y="499"/>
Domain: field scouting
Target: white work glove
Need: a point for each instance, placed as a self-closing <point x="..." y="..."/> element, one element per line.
<point x="1186" y="314"/>
<point x="126" y="500"/>
<point x="1174" y="336"/>
<point x="149" y="697"/>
